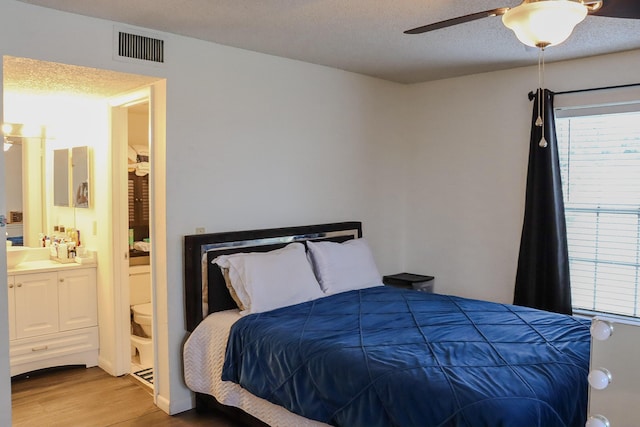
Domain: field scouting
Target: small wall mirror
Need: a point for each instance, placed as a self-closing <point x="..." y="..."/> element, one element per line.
<point x="74" y="192"/>
<point x="26" y="208"/>
<point x="13" y="171"/>
<point x="80" y="177"/>
<point x="61" y="177"/>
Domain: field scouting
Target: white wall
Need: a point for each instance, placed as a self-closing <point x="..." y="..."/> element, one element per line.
<point x="468" y="170"/>
<point x="269" y="142"/>
<point x="252" y="141"/>
<point x="138" y="127"/>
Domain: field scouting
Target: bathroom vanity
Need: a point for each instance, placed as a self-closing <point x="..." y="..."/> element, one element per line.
<point x="53" y="316"/>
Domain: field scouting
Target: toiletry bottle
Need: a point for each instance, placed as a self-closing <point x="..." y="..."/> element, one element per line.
<point x="63" y="251"/>
<point x="71" y="250"/>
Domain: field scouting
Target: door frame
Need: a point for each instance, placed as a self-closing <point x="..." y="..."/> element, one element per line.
<point x="120" y="220"/>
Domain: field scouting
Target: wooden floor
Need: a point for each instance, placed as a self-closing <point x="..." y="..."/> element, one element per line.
<point x="82" y="397"/>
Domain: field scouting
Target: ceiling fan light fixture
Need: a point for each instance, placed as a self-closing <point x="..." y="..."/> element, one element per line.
<point x="541" y="23"/>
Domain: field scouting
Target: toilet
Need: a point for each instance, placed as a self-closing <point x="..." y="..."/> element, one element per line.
<point x="142" y="316"/>
<point x="141" y="313"/>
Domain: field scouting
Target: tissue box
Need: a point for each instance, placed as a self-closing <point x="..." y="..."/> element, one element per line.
<point x="85" y="257"/>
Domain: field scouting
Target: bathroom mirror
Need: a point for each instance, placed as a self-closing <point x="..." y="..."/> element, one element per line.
<point x="61" y="177"/>
<point x="25" y="183"/>
<point x="78" y="187"/>
<point x="13" y="189"/>
<point x="80" y="176"/>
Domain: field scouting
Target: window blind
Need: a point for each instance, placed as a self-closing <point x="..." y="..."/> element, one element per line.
<point x="600" y="163"/>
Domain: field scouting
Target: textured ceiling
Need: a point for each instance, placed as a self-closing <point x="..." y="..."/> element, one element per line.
<point x="32" y="77"/>
<point x="362" y="36"/>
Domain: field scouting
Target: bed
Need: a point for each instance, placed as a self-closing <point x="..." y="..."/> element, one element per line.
<point x="374" y="356"/>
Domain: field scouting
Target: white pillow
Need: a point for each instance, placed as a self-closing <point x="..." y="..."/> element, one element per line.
<point x="265" y="281"/>
<point x="341" y="267"/>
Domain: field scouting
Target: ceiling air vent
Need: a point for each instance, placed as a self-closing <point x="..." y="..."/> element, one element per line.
<point x="140" y="47"/>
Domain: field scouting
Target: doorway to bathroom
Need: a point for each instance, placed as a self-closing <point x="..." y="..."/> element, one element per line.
<point x="139" y="241"/>
<point x="36" y="91"/>
<point x="132" y="143"/>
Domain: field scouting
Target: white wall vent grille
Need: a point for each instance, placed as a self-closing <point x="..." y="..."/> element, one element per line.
<point x="140" y="47"/>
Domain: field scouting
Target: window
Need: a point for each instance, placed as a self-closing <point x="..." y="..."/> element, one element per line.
<point x="600" y="162"/>
<point x="139" y="206"/>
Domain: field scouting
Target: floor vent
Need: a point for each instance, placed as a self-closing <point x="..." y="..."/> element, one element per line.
<point x="140" y="47"/>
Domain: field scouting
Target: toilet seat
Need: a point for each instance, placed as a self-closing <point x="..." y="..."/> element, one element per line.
<point x="143" y="309"/>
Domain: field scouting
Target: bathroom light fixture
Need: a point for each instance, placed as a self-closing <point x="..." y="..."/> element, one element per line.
<point x="7" y="129"/>
<point x="601" y="329"/>
<point x="599" y="378"/>
<point x="542" y="23"/>
<point x="597" y="421"/>
<point x="23" y="130"/>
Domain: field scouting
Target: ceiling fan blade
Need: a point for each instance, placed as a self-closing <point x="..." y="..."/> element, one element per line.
<point x="458" y="20"/>
<point x="619" y="9"/>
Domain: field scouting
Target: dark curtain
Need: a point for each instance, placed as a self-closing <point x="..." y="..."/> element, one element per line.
<point x="542" y="279"/>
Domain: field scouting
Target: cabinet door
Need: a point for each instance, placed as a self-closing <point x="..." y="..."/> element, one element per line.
<point x="77" y="298"/>
<point x="12" y="310"/>
<point x="36" y="304"/>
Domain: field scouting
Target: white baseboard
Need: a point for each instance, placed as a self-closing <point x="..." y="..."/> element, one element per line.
<point x="106" y="366"/>
<point x="163" y="403"/>
<point x="173" y="407"/>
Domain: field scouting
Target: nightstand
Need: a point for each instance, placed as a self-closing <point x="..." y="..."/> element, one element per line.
<point x="410" y="281"/>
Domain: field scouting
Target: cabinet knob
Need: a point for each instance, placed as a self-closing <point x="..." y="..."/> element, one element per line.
<point x="61" y="280"/>
<point x="19" y="285"/>
<point x="10" y="286"/>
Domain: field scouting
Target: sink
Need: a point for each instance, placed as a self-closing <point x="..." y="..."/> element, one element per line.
<point x="16" y="255"/>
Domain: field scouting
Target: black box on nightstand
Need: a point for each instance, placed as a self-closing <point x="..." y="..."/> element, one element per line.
<point x="410" y="281"/>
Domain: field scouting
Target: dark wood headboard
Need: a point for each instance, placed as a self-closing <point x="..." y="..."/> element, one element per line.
<point x="201" y="249"/>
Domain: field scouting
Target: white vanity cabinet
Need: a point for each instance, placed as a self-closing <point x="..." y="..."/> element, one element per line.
<point x="52" y="318"/>
<point x="35" y="304"/>
<point x="77" y="299"/>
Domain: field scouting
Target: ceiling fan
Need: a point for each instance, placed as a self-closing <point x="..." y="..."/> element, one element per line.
<point x="542" y="23"/>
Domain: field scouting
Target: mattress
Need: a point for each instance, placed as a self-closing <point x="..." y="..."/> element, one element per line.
<point x="392" y="357"/>
<point x="204" y="353"/>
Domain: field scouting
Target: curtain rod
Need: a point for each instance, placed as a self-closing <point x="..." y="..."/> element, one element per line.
<point x="532" y="94"/>
<point x="597" y="88"/>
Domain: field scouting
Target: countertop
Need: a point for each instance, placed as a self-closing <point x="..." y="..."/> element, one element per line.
<point x="45" y="266"/>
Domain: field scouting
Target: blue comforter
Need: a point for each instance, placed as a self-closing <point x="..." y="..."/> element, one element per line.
<point x="393" y="357"/>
